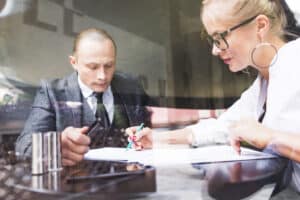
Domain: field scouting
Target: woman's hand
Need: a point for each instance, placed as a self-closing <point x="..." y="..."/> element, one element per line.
<point x="250" y="131"/>
<point x="144" y="137"/>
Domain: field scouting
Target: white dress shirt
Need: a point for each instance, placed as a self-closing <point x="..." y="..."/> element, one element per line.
<point x="108" y="99"/>
<point x="283" y="103"/>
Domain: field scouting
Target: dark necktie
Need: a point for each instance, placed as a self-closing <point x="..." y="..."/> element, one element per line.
<point x="101" y="113"/>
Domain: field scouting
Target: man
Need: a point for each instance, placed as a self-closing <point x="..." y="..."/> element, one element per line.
<point x="70" y="105"/>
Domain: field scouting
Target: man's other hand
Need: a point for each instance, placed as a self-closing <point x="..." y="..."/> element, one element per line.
<point x="74" y="144"/>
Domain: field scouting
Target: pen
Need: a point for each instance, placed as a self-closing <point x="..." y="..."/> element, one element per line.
<point x="132" y="139"/>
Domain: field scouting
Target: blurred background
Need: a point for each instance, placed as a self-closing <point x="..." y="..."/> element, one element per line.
<point x="159" y="41"/>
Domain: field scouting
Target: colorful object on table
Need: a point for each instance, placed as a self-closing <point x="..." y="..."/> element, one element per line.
<point x="132" y="139"/>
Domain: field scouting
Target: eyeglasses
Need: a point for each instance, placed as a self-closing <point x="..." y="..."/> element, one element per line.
<point x="219" y="40"/>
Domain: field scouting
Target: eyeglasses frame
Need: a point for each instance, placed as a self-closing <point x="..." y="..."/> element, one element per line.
<point x="225" y="33"/>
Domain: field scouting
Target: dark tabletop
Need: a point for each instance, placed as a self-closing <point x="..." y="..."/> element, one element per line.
<point x="239" y="179"/>
<point x="221" y="180"/>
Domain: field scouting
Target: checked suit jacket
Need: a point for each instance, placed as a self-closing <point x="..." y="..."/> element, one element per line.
<point x="59" y="104"/>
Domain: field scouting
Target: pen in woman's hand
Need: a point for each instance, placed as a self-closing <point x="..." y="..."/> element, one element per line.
<point x="133" y="139"/>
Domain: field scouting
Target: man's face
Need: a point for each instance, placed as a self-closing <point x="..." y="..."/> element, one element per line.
<point x="95" y="63"/>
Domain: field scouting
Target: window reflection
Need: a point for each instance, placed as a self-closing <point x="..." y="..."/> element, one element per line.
<point x="159" y="41"/>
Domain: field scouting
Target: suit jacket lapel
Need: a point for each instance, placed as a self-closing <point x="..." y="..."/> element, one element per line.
<point x="83" y="116"/>
<point x="73" y="95"/>
<point x="88" y="116"/>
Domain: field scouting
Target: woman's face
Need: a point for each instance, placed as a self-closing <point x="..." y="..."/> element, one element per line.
<point x="240" y="42"/>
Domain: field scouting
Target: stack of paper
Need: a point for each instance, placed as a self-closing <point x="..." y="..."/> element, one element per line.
<point x="218" y="153"/>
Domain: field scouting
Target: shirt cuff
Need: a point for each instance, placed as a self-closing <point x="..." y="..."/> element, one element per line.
<point x="208" y="132"/>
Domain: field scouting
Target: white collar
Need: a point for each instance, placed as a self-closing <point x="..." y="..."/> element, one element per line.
<point x="87" y="92"/>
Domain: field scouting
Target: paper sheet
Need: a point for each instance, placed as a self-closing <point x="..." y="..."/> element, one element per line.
<point x="219" y="153"/>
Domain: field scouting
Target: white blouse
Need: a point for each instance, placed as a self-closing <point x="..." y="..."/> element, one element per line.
<point x="283" y="104"/>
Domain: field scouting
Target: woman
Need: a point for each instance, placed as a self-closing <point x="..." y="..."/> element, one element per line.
<point x="250" y="33"/>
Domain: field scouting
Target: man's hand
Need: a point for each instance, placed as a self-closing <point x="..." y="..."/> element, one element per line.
<point x="143" y="137"/>
<point x="74" y="144"/>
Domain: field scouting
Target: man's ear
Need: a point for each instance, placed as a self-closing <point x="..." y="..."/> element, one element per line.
<point x="262" y="26"/>
<point x="72" y="60"/>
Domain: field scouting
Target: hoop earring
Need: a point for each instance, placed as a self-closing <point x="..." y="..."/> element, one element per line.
<point x="264" y="45"/>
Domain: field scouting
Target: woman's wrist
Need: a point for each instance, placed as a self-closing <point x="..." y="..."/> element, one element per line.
<point x="270" y="137"/>
<point x="181" y="136"/>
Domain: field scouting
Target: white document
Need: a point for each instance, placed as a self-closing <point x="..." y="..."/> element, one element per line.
<point x="218" y="153"/>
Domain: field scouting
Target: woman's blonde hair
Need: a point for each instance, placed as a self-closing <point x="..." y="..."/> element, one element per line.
<point x="244" y="9"/>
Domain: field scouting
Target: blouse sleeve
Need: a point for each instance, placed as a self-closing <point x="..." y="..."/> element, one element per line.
<point x="215" y="131"/>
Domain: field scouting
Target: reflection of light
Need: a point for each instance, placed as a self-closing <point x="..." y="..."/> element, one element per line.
<point x="2" y="4"/>
<point x="6" y="7"/>
<point x="73" y="104"/>
<point x="9" y="7"/>
<point x="295" y="7"/>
